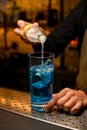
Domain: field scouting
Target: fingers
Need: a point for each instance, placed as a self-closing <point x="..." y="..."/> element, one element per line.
<point x="69" y="100"/>
<point x="51" y="103"/>
<point x="19" y="31"/>
<point x="64" y="96"/>
<point x="75" y="109"/>
<point x="69" y="105"/>
<point x="21" y="23"/>
<point x="54" y="100"/>
<point x="66" y="100"/>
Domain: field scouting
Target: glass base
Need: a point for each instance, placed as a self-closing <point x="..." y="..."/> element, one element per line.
<point x="40" y="108"/>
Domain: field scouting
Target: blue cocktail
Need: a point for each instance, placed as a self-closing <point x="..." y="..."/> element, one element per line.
<point x="41" y="80"/>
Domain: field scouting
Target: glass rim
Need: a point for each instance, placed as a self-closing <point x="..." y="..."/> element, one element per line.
<point x="32" y="54"/>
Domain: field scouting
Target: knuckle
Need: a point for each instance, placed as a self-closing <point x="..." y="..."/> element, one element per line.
<point x="59" y="104"/>
<point x="66" y="89"/>
<point x="67" y="106"/>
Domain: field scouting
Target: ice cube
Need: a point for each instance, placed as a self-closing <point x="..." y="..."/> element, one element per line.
<point x="47" y="62"/>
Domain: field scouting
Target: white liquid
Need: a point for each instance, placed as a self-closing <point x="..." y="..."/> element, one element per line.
<point x="42" y="51"/>
<point x="42" y="40"/>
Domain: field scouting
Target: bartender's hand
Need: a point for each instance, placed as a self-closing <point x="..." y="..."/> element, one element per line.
<point x="20" y="30"/>
<point x="69" y="100"/>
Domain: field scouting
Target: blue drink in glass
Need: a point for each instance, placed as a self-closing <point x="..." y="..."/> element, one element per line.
<point x="41" y="80"/>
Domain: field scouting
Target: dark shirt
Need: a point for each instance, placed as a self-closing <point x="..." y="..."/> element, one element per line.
<point x="73" y="26"/>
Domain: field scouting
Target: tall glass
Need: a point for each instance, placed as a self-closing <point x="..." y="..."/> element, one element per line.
<point x="41" y="71"/>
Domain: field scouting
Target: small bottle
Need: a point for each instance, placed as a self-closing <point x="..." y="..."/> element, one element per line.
<point x="34" y="33"/>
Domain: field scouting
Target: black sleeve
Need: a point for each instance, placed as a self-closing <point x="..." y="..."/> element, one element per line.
<point x="85" y="90"/>
<point x="63" y="34"/>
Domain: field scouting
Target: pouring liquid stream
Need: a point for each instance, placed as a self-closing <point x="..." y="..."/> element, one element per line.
<point x="42" y="41"/>
<point x="42" y="52"/>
